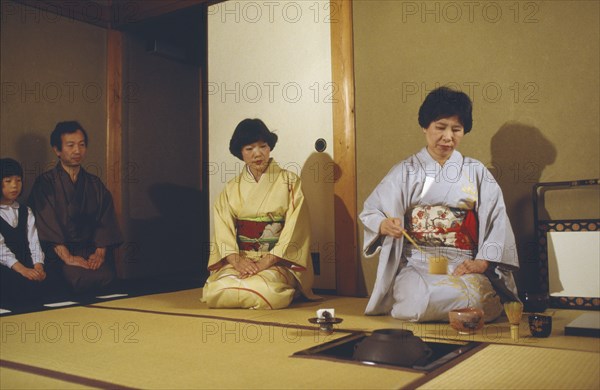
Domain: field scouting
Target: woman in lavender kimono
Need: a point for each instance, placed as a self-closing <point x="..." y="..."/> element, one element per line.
<point x="451" y="206"/>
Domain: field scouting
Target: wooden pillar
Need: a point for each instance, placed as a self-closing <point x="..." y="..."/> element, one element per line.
<point x="344" y="150"/>
<point x="114" y="111"/>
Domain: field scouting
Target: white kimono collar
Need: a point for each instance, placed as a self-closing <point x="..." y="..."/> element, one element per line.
<point x="14" y="205"/>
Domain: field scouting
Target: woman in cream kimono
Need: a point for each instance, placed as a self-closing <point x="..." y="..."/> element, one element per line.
<point x="451" y="206"/>
<point x="261" y="253"/>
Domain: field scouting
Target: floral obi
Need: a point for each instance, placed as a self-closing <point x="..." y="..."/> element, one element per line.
<point x="442" y="226"/>
<point x="259" y="234"/>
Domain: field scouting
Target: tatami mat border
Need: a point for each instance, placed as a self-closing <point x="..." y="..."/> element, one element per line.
<point x="247" y="321"/>
<point x="445" y="367"/>
<point x="427" y="376"/>
<point x="296" y="326"/>
<point x="76" y="379"/>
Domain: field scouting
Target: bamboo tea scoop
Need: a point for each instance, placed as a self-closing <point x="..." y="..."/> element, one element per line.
<point x="437" y="265"/>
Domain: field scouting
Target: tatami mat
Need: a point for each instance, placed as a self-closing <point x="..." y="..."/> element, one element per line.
<point x="172" y="340"/>
<point x="515" y="367"/>
<point x="352" y="311"/>
<point x="145" y="350"/>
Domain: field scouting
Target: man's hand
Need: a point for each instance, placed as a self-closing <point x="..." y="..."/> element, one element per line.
<point x="391" y="227"/>
<point x="66" y="256"/>
<point x="96" y="259"/>
<point x="471" y="267"/>
<point x="77" y="261"/>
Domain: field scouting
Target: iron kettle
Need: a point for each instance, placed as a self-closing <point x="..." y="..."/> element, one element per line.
<point x="393" y="346"/>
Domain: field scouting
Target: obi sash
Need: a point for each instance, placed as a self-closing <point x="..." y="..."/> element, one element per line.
<point x="259" y="234"/>
<point x="443" y="226"/>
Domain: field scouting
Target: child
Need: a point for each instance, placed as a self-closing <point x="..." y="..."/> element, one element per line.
<point x="21" y="257"/>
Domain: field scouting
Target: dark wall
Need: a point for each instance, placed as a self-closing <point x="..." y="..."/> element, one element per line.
<point x="163" y="202"/>
<point x="52" y="69"/>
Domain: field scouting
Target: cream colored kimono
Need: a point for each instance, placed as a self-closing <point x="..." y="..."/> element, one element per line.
<point x="274" y="216"/>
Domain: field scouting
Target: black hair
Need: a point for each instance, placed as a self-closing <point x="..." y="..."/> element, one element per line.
<point x="68" y="127"/>
<point x="10" y="167"/>
<point x="444" y="102"/>
<point x="248" y="132"/>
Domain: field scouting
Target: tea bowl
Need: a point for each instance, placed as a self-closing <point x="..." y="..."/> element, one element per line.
<point x="540" y="325"/>
<point x="467" y="320"/>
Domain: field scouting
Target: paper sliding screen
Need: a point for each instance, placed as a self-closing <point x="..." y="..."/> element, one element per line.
<point x="574" y="264"/>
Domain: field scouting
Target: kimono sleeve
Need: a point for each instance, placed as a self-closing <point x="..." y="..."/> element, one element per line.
<point x="225" y="236"/>
<point x="294" y="241"/>
<point x="496" y="237"/>
<point x="107" y="232"/>
<point x="43" y="202"/>
<point x="386" y="200"/>
<point x="371" y="217"/>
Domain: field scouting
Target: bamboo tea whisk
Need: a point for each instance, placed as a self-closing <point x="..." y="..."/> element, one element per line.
<point x="514" y="311"/>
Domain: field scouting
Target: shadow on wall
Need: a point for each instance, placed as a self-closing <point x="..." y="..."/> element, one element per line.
<point x="520" y="153"/>
<point x="345" y="218"/>
<point x="319" y="174"/>
<point x="36" y="156"/>
<point x="317" y="177"/>
<point x="170" y="244"/>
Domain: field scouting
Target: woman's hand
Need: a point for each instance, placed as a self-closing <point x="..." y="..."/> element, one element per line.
<point x="267" y="261"/>
<point x="243" y="265"/>
<point x="471" y="267"/>
<point x="391" y="227"/>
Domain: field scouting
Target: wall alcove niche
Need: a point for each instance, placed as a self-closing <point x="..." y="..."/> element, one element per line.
<point x="164" y="206"/>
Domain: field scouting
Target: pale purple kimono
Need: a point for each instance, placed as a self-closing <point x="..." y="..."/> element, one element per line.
<point x="403" y="286"/>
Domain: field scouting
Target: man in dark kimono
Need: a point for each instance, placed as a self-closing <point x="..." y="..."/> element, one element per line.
<point x="75" y="215"/>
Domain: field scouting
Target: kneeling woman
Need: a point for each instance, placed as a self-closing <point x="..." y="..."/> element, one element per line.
<point x="261" y="253"/>
<point x="452" y="207"/>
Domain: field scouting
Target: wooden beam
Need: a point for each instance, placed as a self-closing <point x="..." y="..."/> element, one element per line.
<point x="132" y="11"/>
<point x="114" y="112"/>
<point x="344" y="150"/>
<point x="106" y="13"/>
<point x="96" y="12"/>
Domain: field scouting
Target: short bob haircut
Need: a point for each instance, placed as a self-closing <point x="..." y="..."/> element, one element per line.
<point x="444" y="102"/>
<point x="10" y="167"/>
<point x="68" y="127"/>
<point x="248" y="132"/>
